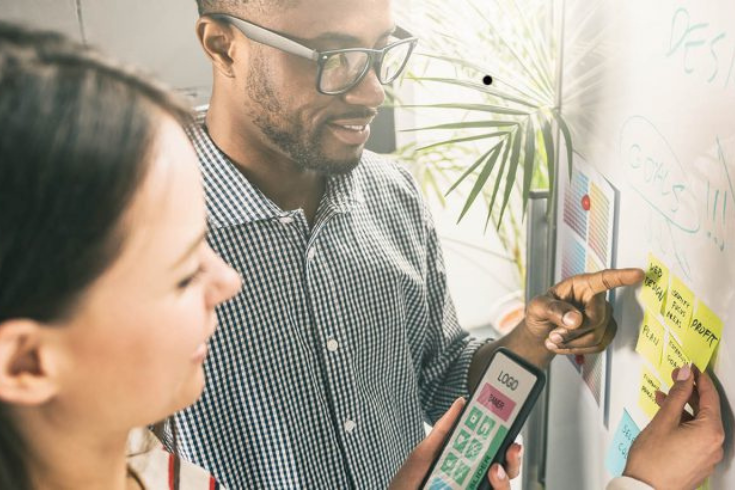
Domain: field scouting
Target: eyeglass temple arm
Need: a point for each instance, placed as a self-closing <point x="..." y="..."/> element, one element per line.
<point x="269" y="38"/>
<point x="401" y="33"/>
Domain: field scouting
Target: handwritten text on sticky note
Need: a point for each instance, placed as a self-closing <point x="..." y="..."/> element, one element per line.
<point x="655" y="284"/>
<point x="647" y="395"/>
<point x="651" y="339"/>
<point x="679" y="303"/>
<point x="617" y="454"/>
<point x="702" y="336"/>
<point x="673" y="358"/>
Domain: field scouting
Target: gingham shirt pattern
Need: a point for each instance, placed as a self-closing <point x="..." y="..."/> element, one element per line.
<point x="342" y="341"/>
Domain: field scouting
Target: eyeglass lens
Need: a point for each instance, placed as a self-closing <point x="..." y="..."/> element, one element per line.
<point x="341" y="70"/>
<point x="393" y="62"/>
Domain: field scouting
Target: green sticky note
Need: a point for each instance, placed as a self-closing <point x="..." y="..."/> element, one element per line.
<point x="647" y="393"/>
<point x="702" y="336"/>
<point x="651" y="339"/>
<point x="673" y="358"/>
<point x="655" y="285"/>
<point x="679" y="305"/>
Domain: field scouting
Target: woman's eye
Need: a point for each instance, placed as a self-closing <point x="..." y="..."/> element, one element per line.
<point x="190" y="279"/>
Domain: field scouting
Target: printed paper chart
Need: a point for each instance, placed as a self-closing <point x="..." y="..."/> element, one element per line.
<point x="586" y="236"/>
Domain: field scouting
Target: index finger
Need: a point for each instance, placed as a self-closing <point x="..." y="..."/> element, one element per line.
<point x="444" y="425"/>
<point x="600" y="282"/>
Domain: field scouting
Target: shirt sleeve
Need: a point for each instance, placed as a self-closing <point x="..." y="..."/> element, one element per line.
<point x="627" y="483"/>
<point x="448" y="349"/>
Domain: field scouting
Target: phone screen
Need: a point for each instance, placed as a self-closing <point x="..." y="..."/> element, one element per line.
<point x="483" y="425"/>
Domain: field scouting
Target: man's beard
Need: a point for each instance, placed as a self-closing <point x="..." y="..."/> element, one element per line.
<point x="289" y="136"/>
<point x="304" y="148"/>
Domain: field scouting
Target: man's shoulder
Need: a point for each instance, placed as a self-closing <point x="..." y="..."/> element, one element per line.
<point x="381" y="172"/>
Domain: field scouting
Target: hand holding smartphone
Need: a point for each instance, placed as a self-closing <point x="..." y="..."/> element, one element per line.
<point x="488" y="425"/>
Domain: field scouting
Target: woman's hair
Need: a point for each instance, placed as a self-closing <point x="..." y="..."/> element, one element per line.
<point x="76" y="135"/>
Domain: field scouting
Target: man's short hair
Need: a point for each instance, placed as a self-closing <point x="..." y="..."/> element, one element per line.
<point x="234" y="6"/>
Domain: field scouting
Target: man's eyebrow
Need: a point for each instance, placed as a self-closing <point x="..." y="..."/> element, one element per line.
<point x="343" y="38"/>
<point x="192" y="247"/>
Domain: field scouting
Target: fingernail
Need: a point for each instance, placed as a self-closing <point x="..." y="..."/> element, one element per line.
<point x="684" y="373"/>
<point x="556" y="338"/>
<point x="570" y="318"/>
<point x="550" y="345"/>
<point x="501" y="473"/>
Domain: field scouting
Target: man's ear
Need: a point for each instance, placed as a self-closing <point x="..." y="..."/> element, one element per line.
<point x="218" y="42"/>
<point x="27" y="373"/>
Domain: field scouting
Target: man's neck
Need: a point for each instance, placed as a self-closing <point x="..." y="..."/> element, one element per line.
<point x="273" y="173"/>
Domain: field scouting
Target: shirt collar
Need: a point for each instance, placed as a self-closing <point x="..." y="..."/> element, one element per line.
<point x="232" y="200"/>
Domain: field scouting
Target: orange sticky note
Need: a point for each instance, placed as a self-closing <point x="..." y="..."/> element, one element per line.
<point x="651" y="339"/>
<point x="647" y="393"/>
<point x="702" y="336"/>
<point x="655" y="285"/>
<point x="679" y="305"/>
<point x="673" y="358"/>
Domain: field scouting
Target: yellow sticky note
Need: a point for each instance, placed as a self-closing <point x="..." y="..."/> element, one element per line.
<point x="651" y="339"/>
<point x="673" y="358"/>
<point x="702" y="336"/>
<point x="647" y="395"/>
<point x="655" y="285"/>
<point x="679" y="304"/>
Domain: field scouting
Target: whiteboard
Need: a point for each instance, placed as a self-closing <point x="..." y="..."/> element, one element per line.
<point x="648" y="90"/>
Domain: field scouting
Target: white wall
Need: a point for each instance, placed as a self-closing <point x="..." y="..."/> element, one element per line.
<point x="157" y="36"/>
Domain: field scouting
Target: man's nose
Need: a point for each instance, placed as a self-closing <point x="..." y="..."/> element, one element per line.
<point x="368" y="93"/>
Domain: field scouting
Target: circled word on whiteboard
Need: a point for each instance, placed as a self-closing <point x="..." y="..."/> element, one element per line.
<point x="656" y="174"/>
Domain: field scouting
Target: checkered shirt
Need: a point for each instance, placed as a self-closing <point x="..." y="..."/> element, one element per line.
<point x="342" y="342"/>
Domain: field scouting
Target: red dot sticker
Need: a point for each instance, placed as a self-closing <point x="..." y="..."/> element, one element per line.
<point x="586" y="202"/>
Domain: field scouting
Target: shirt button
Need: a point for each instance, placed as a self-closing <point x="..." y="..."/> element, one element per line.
<point x="332" y="345"/>
<point x="311" y="253"/>
<point x="286" y="220"/>
<point x="350" y="426"/>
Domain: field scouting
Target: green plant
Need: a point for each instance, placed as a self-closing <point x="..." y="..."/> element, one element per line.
<point x="512" y="120"/>
<point x="499" y="143"/>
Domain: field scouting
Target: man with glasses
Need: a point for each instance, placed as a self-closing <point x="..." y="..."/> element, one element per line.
<point x="344" y="338"/>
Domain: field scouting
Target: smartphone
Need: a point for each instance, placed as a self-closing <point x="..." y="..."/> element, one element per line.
<point x="488" y="425"/>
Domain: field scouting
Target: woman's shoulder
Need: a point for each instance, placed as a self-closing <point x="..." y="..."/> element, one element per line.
<point x="155" y="469"/>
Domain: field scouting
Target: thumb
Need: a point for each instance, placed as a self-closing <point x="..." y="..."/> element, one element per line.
<point x="673" y="406"/>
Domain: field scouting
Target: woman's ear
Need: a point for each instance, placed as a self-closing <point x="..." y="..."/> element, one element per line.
<point x="27" y="375"/>
<point x="218" y="43"/>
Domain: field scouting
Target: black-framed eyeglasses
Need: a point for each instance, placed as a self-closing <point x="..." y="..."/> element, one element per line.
<point x="340" y="70"/>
